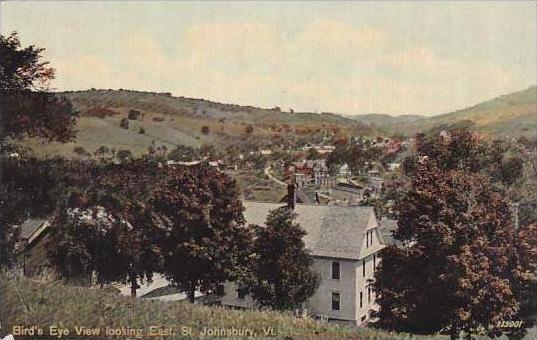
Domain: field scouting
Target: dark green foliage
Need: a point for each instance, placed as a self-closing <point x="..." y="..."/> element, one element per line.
<point x="105" y="227"/>
<point x="134" y="114"/>
<point x="463" y="267"/>
<point x="124" y="123"/>
<point x="203" y="240"/>
<point x="280" y="275"/>
<point x="124" y="155"/>
<point x="25" y="111"/>
<point x="184" y="153"/>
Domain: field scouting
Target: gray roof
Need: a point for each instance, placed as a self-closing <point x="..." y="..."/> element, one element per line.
<point x="30" y="226"/>
<point x="331" y="231"/>
<point x="386" y="228"/>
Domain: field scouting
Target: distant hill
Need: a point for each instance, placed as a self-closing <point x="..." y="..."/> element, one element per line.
<point x="512" y="115"/>
<point x="168" y="121"/>
<point x="172" y="121"/>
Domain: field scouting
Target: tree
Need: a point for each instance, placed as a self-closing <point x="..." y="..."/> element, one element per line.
<point x="124" y="155"/>
<point x="134" y="114"/>
<point x="203" y="240"/>
<point x="105" y="226"/>
<point x="460" y="269"/>
<point x="25" y="110"/>
<point x="124" y="123"/>
<point x="313" y="154"/>
<point x="280" y="271"/>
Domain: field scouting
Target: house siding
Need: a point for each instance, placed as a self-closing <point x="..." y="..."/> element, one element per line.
<point x="320" y="304"/>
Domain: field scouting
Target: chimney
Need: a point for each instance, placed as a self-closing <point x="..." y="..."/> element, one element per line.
<point x="291" y="195"/>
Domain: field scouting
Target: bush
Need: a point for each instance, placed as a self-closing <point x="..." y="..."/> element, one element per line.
<point x="134" y="114"/>
<point x="81" y="151"/>
<point x="124" y="123"/>
<point x="249" y="129"/>
<point x="205" y="130"/>
<point x="124" y="155"/>
<point x="142" y="130"/>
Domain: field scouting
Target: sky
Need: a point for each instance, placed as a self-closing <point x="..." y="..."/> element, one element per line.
<point x="394" y="57"/>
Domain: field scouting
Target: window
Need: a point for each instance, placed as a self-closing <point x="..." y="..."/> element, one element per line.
<point x="368" y="294"/>
<point x="336" y="299"/>
<point x="361" y="299"/>
<point x="367" y="239"/>
<point x="241" y="293"/>
<point x="335" y="270"/>
<point x="363" y="318"/>
<point x="374" y="261"/>
<point x="363" y="267"/>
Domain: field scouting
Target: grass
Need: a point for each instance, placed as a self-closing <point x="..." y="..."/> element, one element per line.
<point x="258" y="187"/>
<point x="44" y="302"/>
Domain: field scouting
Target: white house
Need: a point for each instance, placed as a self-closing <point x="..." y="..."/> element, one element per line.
<point x="344" y="243"/>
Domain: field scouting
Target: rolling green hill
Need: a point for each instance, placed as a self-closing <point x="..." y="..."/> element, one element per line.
<point x="171" y="121"/>
<point x="512" y="115"/>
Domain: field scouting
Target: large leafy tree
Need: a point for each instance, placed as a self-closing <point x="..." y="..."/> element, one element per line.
<point x="280" y="275"/>
<point x="203" y="240"/>
<point x="463" y="266"/>
<point x="105" y="225"/>
<point x="25" y="110"/>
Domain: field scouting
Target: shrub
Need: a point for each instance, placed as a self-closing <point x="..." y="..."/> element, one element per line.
<point x="134" y="114"/>
<point x="142" y="130"/>
<point x="205" y="130"/>
<point x="81" y="151"/>
<point x="124" y="123"/>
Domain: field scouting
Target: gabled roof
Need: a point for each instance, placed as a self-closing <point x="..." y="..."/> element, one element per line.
<point x="331" y="231"/>
<point x="30" y="226"/>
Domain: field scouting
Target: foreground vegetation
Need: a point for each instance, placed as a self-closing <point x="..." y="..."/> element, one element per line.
<point x="43" y="303"/>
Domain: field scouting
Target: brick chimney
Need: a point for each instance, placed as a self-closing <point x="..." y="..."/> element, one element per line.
<point x="291" y="195"/>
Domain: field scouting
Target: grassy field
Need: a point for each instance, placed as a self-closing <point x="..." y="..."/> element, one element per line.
<point x="44" y="303"/>
<point x="172" y="121"/>
<point x="258" y="187"/>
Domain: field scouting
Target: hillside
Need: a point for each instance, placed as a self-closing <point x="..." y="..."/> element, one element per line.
<point x="512" y="115"/>
<point x="171" y="121"/>
<point x="43" y="303"/>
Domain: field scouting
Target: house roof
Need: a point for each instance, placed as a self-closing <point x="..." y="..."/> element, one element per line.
<point x="30" y="226"/>
<point x="386" y="229"/>
<point x="331" y="231"/>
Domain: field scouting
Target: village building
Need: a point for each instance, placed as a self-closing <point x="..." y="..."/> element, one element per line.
<point x="344" y="174"/>
<point x="377" y="184"/>
<point x="344" y="242"/>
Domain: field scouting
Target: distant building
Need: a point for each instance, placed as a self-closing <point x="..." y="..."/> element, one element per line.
<point x="393" y="166"/>
<point x="344" y="242"/>
<point x="344" y="174"/>
<point x="377" y="184"/>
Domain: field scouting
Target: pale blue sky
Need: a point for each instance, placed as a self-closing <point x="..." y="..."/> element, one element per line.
<point x="396" y="57"/>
